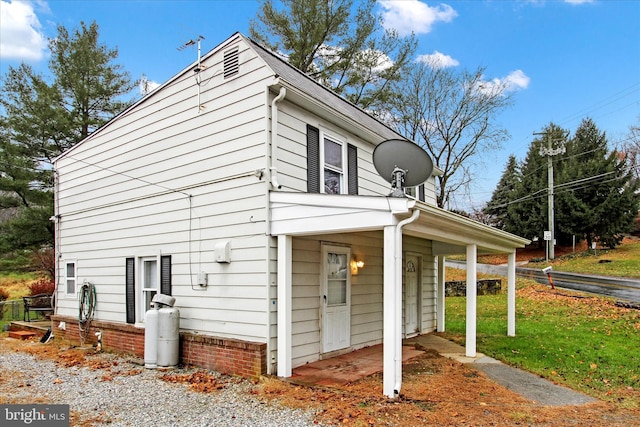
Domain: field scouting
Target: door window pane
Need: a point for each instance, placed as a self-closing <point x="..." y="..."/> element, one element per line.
<point x="336" y="278"/>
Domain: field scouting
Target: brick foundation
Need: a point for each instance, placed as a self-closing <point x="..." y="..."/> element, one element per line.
<point x="224" y="355"/>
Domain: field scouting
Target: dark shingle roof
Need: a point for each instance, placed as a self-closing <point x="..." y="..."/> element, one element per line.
<point x="309" y="86"/>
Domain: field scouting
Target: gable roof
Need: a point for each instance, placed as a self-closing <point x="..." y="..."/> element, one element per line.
<point x="287" y="73"/>
<point x="312" y="88"/>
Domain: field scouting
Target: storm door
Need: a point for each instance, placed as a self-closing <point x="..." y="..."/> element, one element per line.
<point x="336" y="298"/>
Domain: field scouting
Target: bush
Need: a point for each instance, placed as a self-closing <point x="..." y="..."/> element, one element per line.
<point x="4" y="295"/>
<point x="42" y="286"/>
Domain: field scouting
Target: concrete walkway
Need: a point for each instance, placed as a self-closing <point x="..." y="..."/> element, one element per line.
<point x="526" y="384"/>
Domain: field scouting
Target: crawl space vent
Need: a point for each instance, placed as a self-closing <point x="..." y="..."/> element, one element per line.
<point x="231" y="63"/>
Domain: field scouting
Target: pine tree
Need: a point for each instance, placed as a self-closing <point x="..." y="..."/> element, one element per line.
<point x="595" y="195"/>
<point x="40" y="120"/>
<point x="342" y="47"/>
<point x="503" y="195"/>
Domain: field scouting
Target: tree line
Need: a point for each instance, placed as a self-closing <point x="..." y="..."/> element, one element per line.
<point x="451" y="113"/>
<point x="595" y="190"/>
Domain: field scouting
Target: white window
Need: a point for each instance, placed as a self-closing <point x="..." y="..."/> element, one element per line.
<point x="149" y="282"/>
<point x="70" y="277"/>
<point x="333" y="160"/>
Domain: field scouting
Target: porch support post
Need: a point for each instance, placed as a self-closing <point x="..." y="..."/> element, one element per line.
<point x="511" y="295"/>
<point x="391" y="326"/>
<point x="440" y="306"/>
<point x="472" y="252"/>
<point x="284" y="305"/>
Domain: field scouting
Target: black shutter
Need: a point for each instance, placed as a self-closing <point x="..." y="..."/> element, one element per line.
<point x="352" y="165"/>
<point x="130" y="289"/>
<point x="165" y="274"/>
<point x="313" y="159"/>
<point x="421" y="192"/>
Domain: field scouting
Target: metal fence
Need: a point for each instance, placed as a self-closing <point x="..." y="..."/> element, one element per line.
<point x="11" y="310"/>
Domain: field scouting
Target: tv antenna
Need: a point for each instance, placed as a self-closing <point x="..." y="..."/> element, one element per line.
<point x="199" y="66"/>
<point x="402" y="163"/>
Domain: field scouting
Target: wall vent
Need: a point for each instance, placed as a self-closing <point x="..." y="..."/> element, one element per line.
<point x="231" y="62"/>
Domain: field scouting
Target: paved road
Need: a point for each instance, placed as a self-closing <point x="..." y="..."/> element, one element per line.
<point x="619" y="288"/>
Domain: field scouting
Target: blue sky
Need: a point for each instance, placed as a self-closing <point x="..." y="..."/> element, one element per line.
<point x="565" y="60"/>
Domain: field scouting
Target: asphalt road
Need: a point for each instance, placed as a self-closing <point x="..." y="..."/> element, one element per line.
<point x="627" y="290"/>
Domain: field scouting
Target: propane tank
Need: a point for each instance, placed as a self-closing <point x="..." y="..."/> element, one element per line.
<point x="151" y="337"/>
<point x="168" y="336"/>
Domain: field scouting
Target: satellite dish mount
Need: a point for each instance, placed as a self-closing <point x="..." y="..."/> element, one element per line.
<point x="394" y="159"/>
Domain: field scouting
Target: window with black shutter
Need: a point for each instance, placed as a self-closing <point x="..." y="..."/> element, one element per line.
<point x="330" y="162"/>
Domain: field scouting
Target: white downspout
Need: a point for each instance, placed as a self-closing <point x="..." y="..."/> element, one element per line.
<point x="398" y="299"/>
<point x="273" y="171"/>
<point x="273" y="142"/>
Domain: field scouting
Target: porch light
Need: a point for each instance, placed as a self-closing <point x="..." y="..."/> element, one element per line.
<point x="355" y="265"/>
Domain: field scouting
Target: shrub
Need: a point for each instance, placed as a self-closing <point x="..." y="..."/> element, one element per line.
<point x="42" y="286"/>
<point x="4" y="295"/>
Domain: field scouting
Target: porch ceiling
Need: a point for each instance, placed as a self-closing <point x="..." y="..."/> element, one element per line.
<point x="308" y="214"/>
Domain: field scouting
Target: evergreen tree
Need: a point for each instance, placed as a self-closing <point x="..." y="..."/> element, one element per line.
<point x="501" y="198"/>
<point x="341" y="47"/>
<point x="40" y="120"/>
<point x="528" y="212"/>
<point x="595" y="196"/>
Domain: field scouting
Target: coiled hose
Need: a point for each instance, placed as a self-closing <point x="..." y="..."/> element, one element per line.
<point x="86" y="309"/>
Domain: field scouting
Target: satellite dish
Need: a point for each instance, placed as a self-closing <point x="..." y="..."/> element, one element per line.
<point x="402" y="163"/>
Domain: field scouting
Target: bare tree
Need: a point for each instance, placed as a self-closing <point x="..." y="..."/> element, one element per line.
<point x="452" y="115"/>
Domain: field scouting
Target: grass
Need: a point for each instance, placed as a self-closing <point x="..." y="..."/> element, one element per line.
<point x="623" y="261"/>
<point x="17" y="286"/>
<point x="586" y="343"/>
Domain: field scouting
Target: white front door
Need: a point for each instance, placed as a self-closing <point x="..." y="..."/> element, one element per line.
<point x="336" y="298"/>
<point x="411" y="295"/>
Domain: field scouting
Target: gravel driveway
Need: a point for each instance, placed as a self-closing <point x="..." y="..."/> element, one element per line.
<point x="118" y="392"/>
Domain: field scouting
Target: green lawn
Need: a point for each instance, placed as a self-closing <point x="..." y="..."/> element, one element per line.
<point x="623" y="261"/>
<point x="585" y="343"/>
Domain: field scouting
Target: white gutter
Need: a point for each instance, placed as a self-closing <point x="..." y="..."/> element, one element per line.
<point x="273" y="171"/>
<point x="398" y="299"/>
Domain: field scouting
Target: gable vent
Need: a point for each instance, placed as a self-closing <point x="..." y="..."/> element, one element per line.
<point x="231" y="63"/>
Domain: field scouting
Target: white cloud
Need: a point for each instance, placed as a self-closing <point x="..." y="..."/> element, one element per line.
<point x="21" y="34"/>
<point x="438" y="60"/>
<point x="578" y="1"/>
<point x="413" y="15"/>
<point x="146" y="86"/>
<point x="516" y="80"/>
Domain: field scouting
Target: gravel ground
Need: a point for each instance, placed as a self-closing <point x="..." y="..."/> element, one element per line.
<point x="125" y="394"/>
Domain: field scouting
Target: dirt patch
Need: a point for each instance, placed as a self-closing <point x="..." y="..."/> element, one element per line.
<point x="436" y="391"/>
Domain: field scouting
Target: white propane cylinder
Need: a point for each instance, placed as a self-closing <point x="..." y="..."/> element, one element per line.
<point x="151" y="339"/>
<point x="168" y="336"/>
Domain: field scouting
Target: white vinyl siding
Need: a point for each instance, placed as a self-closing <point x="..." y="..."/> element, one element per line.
<point x="366" y="290"/>
<point x="166" y="178"/>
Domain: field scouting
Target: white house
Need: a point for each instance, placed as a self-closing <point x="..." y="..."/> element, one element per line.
<point x="247" y="191"/>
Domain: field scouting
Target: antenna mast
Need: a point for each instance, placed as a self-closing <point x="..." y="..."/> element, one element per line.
<point x="199" y="66"/>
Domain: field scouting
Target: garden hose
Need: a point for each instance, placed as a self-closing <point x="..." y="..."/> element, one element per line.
<point x="86" y="309"/>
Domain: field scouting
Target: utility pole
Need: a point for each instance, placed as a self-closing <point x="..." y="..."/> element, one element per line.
<point x="549" y="152"/>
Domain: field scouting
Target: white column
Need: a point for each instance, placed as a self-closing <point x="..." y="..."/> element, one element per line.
<point x="472" y="290"/>
<point x="440" y="306"/>
<point x="390" y="328"/>
<point x="511" y="295"/>
<point x="284" y="305"/>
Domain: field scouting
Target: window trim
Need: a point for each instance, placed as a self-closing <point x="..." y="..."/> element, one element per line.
<point x="66" y="277"/>
<point x="344" y="170"/>
<point x="141" y="290"/>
